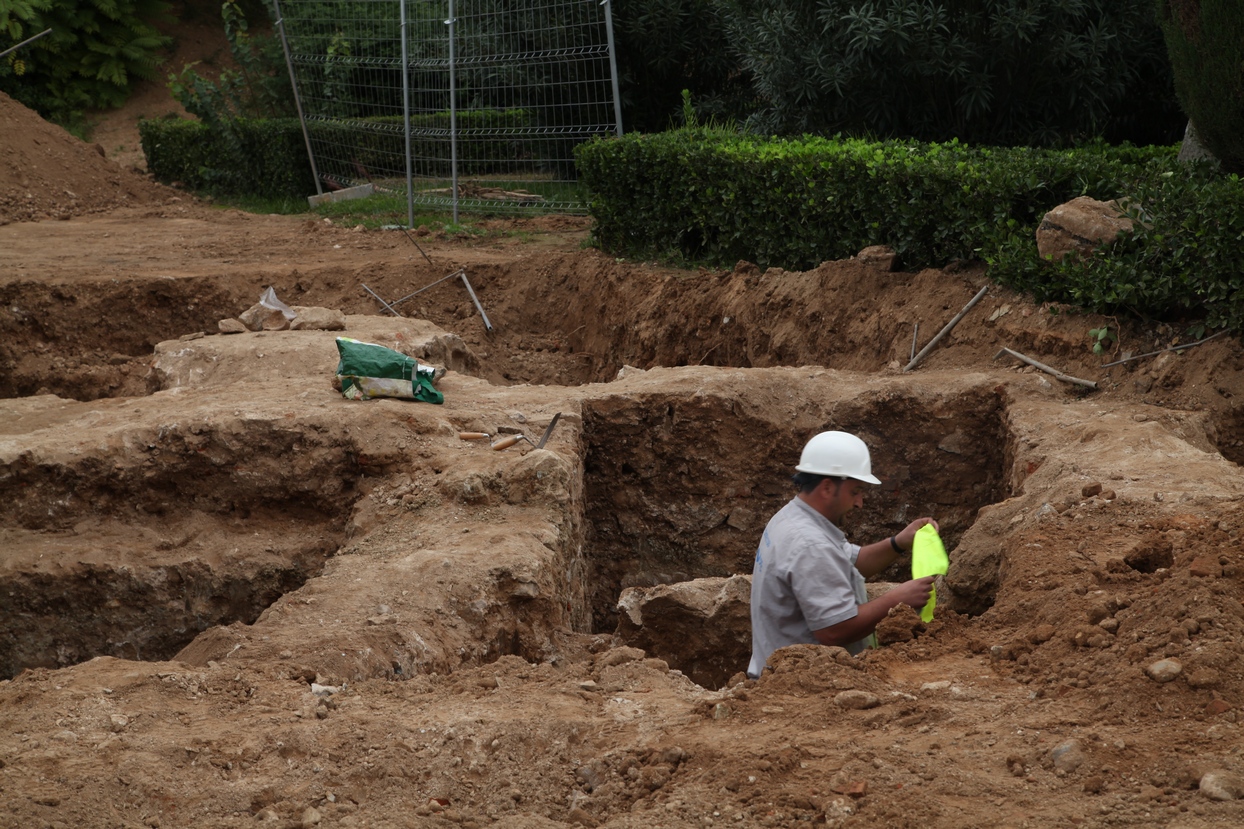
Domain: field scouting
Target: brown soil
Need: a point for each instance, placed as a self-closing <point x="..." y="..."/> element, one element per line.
<point x="199" y="533"/>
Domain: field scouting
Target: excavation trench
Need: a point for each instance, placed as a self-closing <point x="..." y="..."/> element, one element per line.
<point x="676" y="488"/>
<point x="679" y="489"/>
<point x="133" y="552"/>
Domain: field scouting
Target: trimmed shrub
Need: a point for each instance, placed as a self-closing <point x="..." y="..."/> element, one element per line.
<point x="1181" y="260"/>
<point x="263" y="158"/>
<point x="715" y="196"/>
<point x="269" y="157"/>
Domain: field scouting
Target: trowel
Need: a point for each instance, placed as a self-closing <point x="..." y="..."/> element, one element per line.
<point x="509" y="440"/>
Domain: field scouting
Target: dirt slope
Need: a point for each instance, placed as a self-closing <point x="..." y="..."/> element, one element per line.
<point x="233" y="596"/>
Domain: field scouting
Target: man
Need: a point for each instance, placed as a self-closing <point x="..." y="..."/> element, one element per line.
<point x="808" y="580"/>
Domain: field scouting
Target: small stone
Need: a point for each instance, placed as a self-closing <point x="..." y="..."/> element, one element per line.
<point x="1109" y="495"/>
<point x="1067" y="757"/>
<point x="579" y="816"/>
<point x="721" y="711"/>
<point x="1041" y="634"/>
<point x="487" y="682"/>
<point x="1206" y="567"/>
<point x="1089" y="490"/>
<point x="1204" y="678"/>
<point x="1094" y="784"/>
<point x="321" y="712"/>
<point x="1164" y="670"/>
<point x="589" y="685"/>
<point x="267" y="815"/>
<point x="310" y="817"/>
<point x="939" y="685"/>
<point x="317" y="319"/>
<point x="118" y="722"/>
<point x="878" y="256"/>
<point x="1217" y="706"/>
<point x="619" y="656"/>
<point x="587" y="777"/>
<point x="231" y="326"/>
<point x="1110" y="624"/>
<point x="856" y="700"/>
<point x="1222" y="785"/>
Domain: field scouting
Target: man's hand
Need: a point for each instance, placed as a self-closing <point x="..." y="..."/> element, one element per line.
<point x="907" y="536"/>
<point x="914" y="593"/>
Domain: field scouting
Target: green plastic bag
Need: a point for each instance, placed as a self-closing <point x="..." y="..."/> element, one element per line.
<point x="928" y="558"/>
<point x="368" y="370"/>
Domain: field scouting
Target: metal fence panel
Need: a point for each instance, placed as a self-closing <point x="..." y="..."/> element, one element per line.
<point x="494" y="97"/>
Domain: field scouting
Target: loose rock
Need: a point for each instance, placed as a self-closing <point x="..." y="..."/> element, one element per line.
<point x="856" y="700"/>
<point x="1164" y="670"/>
<point x="1222" y="785"/>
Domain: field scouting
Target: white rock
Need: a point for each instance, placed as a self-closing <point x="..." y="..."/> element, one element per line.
<point x="1222" y="785"/>
<point x="1164" y="670"/>
<point x="857" y="700"/>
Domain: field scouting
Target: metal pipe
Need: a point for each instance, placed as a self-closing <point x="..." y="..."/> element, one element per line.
<point x="458" y="272"/>
<point x="453" y="114"/>
<point x="410" y="184"/>
<point x="24" y="42"/>
<point x="613" y="67"/>
<point x="293" y="82"/>
<point x="392" y="310"/>
<point x="478" y="307"/>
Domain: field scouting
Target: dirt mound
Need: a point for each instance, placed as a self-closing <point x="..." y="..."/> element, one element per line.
<point x="46" y="173"/>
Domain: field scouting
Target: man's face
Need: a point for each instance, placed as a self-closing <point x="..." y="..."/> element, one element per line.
<point x="844" y="496"/>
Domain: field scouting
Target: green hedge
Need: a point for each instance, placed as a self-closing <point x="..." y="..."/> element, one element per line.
<point x="1181" y="261"/>
<point x="716" y="196"/>
<point x="269" y="157"/>
<point x="261" y="158"/>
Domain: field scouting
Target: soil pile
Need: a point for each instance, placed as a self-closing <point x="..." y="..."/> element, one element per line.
<point x="46" y="173"/>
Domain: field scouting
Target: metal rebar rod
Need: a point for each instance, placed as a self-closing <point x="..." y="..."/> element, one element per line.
<point x="293" y="82"/>
<point x="24" y="42"/>
<point x="946" y="329"/>
<point x="478" y="307"/>
<point x="425" y="287"/>
<point x="392" y="310"/>
<point x="1164" y="350"/>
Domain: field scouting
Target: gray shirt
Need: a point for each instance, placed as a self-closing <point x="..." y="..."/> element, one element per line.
<point x="804" y="579"/>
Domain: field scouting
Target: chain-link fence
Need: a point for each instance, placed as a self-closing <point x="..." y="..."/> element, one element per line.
<point x="471" y="104"/>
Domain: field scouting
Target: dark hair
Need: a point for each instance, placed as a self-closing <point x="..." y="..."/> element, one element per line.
<point x="808" y="481"/>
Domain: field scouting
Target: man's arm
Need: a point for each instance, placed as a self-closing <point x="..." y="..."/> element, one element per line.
<point x="914" y="593"/>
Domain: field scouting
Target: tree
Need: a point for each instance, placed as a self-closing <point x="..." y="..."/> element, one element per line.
<point x="1205" y="39"/>
<point x="985" y="71"/>
<point x="95" y="52"/>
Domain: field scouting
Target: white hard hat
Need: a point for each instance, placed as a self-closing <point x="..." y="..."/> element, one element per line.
<point x="839" y="454"/>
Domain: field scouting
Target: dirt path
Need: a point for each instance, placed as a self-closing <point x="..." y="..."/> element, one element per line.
<point x="231" y="594"/>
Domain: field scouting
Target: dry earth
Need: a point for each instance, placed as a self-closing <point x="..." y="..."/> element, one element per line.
<point x="232" y="596"/>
